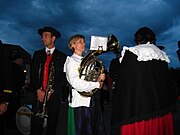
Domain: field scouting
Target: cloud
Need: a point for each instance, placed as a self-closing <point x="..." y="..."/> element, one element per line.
<point x="21" y="19"/>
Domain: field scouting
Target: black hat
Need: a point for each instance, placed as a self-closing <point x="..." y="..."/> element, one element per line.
<point x="56" y="33"/>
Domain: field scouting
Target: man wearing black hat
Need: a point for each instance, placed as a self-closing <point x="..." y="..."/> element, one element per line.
<point x="47" y="77"/>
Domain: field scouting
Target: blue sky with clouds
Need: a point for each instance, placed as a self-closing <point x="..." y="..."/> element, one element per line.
<point x="20" y="20"/>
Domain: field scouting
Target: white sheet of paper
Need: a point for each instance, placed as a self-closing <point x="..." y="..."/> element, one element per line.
<point x="98" y="43"/>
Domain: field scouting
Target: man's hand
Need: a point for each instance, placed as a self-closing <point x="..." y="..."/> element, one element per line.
<point x="50" y="93"/>
<point x="40" y="94"/>
<point x="3" y="108"/>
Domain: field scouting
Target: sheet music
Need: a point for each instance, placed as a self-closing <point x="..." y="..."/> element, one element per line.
<point x="98" y="43"/>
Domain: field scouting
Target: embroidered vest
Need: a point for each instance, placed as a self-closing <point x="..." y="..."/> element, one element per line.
<point x="46" y="71"/>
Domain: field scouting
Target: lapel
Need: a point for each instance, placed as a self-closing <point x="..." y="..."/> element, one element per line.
<point x="55" y="57"/>
<point x="43" y="56"/>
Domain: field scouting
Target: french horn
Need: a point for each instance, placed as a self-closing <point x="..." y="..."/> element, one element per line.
<point x="91" y="67"/>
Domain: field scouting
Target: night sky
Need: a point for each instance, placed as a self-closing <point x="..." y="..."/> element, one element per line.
<point x="20" y="20"/>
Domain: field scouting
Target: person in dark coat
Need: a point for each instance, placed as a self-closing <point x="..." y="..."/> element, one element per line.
<point x="18" y="81"/>
<point x="47" y="75"/>
<point x="5" y="87"/>
<point x="143" y="99"/>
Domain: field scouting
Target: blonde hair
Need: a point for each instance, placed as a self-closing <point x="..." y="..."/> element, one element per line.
<point x="73" y="39"/>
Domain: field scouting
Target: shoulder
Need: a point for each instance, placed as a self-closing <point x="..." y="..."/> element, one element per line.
<point x="71" y="62"/>
<point x="60" y="53"/>
<point x="129" y="58"/>
<point x="39" y="52"/>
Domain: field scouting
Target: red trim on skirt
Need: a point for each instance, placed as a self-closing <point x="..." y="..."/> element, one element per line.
<point x="157" y="126"/>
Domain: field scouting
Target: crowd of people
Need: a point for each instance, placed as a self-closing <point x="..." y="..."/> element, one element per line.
<point x="143" y="98"/>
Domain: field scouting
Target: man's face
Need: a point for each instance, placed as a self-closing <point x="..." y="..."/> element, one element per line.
<point x="48" y="39"/>
<point x="19" y="61"/>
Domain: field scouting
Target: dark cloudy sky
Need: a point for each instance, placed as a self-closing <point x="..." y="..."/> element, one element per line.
<point x="20" y="20"/>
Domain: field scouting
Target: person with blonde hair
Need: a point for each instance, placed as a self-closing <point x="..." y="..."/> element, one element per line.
<point x="84" y="113"/>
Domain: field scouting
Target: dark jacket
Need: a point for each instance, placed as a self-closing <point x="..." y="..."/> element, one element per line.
<point x="58" y="81"/>
<point x="37" y="68"/>
<point x="5" y="77"/>
<point x="143" y="91"/>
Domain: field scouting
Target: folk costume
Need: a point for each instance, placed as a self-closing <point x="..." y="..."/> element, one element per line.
<point x="41" y="66"/>
<point x="84" y="113"/>
<point x="143" y="99"/>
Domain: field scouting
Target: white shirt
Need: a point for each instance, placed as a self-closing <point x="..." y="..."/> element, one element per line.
<point x="51" y="50"/>
<point x="72" y="74"/>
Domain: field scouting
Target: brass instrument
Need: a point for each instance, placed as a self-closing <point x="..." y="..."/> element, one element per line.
<point x="24" y="113"/>
<point x="43" y="113"/>
<point x="91" y="67"/>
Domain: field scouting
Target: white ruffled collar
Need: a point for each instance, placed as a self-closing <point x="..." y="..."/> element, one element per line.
<point x="146" y="52"/>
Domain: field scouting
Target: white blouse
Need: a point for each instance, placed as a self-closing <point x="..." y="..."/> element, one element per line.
<point x="72" y="74"/>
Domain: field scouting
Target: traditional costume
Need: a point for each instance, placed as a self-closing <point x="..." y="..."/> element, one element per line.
<point x="84" y="113"/>
<point x="143" y="99"/>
